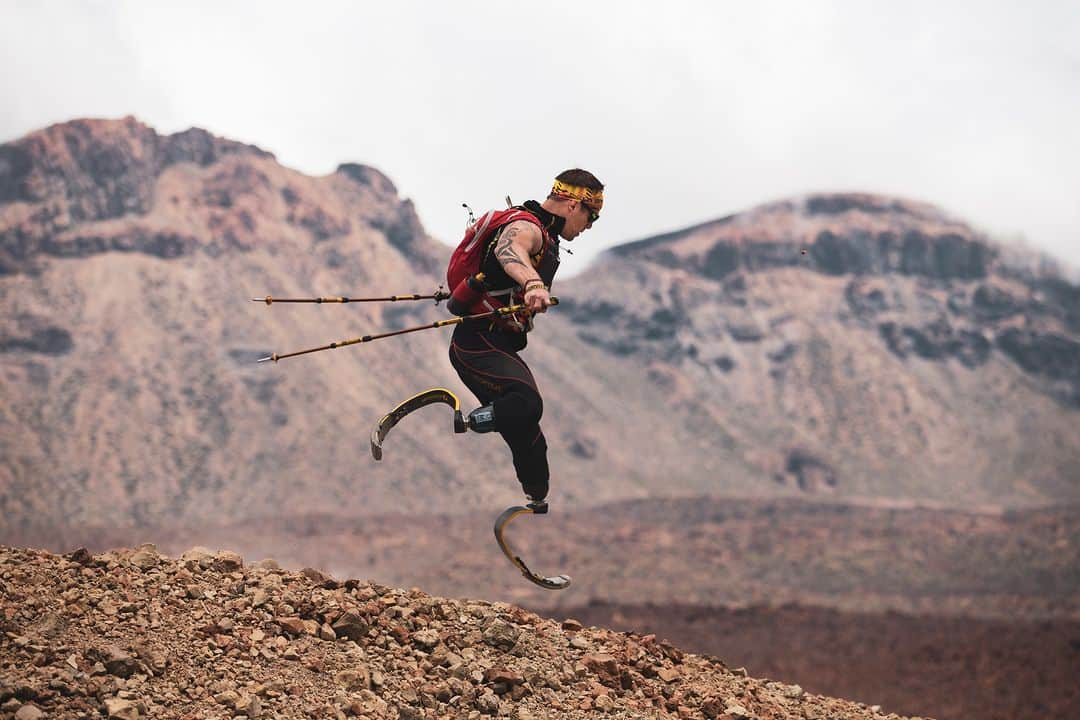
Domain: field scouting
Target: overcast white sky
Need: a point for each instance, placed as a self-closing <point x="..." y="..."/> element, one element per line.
<point x="688" y="111"/>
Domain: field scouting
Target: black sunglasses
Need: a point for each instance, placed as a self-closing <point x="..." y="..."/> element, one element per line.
<point x="594" y="215"/>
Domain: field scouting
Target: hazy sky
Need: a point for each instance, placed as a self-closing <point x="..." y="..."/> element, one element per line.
<point x="688" y="111"/>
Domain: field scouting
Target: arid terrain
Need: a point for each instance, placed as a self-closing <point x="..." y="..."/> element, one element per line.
<point x="941" y="613"/>
<point x="950" y="667"/>
<point x="847" y="416"/>
<point x="702" y="551"/>
<point x="903" y="357"/>
<point x="132" y="634"/>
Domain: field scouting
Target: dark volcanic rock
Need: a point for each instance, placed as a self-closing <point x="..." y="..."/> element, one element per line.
<point x="49" y="340"/>
<point x="321" y="225"/>
<point x="856" y="253"/>
<point x="663" y="324"/>
<point x="368" y="177"/>
<point x="1048" y="355"/>
<point x="784" y="354"/>
<point x="590" y="312"/>
<point x="930" y="342"/>
<point x="810" y="473"/>
<point x="971" y="348"/>
<point x="15" y="166"/>
<point x="725" y="258"/>
<point x="619" y="332"/>
<point x="165" y="245"/>
<point x="936" y="341"/>
<point x="1063" y="298"/>
<point x="1051" y="355"/>
<point x="742" y="332"/>
<point x="197" y="146"/>
<point x="403" y="230"/>
<point x="612" y="344"/>
<point x="721" y="260"/>
<point x="944" y="256"/>
<point x="993" y="303"/>
<point x="864" y="300"/>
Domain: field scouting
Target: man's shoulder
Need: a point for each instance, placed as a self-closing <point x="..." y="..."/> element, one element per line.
<point x="524" y="224"/>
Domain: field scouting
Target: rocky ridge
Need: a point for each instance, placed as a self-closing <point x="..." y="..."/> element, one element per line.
<point x="826" y="327"/>
<point x="131" y="633"/>
<point x="88" y="171"/>
<point x="900" y="359"/>
<point x="930" y="285"/>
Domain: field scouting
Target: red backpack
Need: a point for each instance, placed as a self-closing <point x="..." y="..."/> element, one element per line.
<point x="467" y="297"/>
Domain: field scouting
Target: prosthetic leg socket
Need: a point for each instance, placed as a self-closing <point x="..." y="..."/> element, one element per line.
<point x="482" y="419"/>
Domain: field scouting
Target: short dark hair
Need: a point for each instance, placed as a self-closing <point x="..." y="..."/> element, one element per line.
<point x="579" y="177"/>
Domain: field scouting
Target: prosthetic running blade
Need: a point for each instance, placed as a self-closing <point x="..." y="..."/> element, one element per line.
<point x="559" y="582"/>
<point x="428" y="397"/>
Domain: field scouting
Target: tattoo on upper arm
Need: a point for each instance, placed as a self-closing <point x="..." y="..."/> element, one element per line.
<point x="504" y="248"/>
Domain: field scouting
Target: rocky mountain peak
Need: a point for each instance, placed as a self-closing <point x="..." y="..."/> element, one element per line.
<point x="840" y="233"/>
<point x="132" y="633"/>
<point x="90" y="186"/>
<point x="102" y="166"/>
<point x="367" y="176"/>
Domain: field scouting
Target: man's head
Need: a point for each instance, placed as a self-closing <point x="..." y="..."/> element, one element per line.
<point x="576" y="196"/>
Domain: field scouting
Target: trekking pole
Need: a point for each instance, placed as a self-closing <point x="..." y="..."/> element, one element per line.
<point x="510" y="310"/>
<point x="438" y="296"/>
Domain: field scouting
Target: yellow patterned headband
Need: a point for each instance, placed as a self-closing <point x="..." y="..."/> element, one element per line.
<point x="594" y="199"/>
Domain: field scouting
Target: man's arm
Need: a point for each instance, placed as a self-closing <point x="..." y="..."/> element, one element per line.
<point x="517" y="242"/>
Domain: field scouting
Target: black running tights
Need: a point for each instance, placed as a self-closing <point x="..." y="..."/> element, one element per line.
<point x="490" y="367"/>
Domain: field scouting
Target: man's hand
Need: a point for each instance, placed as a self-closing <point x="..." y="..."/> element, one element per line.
<point x="537" y="298"/>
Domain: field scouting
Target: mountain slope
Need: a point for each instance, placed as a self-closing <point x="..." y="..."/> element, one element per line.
<point x="900" y="358"/>
<point x="851" y="345"/>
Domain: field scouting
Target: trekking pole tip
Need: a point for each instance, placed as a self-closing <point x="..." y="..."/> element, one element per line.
<point x="266" y="299"/>
<point x="273" y="357"/>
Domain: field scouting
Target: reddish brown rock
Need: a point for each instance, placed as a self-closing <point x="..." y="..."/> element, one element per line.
<point x="193" y="676"/>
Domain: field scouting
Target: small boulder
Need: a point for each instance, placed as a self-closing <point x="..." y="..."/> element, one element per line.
<point x="146" y="557"/>
<point x="425" y="639"/>
<point x="358" y="678"/>
<point x="351" y="625"/>
<point x="29" y="712"/>
<point x="117" y="662"/>
<point x="292" y="625"/>
<point x="119" y="709"/>
<point x="604" y="666"/>
<point x="668" y="674"/>
<point x="227" y="561"/>
<point x="501" y="634"/>
<point x="502" y="675"/>
<point x="197" y="558"/>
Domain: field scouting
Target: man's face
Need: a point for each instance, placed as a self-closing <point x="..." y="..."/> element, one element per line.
<point x="580" y="219"/>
